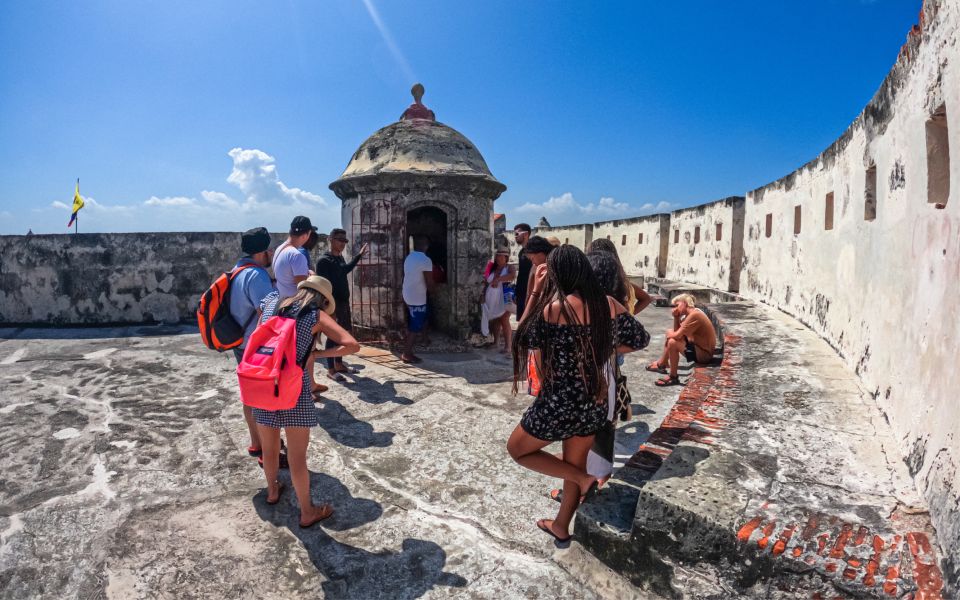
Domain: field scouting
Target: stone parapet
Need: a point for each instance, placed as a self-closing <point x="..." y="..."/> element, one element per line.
<point x="773" y="470"/>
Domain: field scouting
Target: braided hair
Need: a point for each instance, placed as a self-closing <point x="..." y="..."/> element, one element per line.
<point x="569" y="272"/>
<point x="610" y="274"/>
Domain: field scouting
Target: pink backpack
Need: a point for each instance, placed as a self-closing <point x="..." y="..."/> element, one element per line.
<point x="269" y="375"/>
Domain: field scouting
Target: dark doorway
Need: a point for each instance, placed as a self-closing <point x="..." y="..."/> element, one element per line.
<point x="432" y="222"/>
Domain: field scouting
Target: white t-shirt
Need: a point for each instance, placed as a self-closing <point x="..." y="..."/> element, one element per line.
<point x="288" y="263"/>
<point x="414" y="286"/>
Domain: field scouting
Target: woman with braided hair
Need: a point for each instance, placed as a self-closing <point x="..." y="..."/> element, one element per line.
<point x="573" y="329"/>
<point x="635" y="298"/>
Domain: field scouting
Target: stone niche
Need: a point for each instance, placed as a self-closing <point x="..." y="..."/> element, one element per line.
<point x="417" y="177"/>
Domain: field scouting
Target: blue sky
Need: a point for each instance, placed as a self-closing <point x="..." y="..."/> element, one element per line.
<point x="224" y="115"/>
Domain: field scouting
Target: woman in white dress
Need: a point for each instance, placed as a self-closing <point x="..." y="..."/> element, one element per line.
<point x="498" y="302"/>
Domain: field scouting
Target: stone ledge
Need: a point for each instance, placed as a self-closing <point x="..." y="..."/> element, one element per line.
<point x="726" y="485"/>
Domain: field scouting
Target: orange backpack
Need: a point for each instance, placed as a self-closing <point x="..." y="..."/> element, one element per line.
<point x="218" y="329"/>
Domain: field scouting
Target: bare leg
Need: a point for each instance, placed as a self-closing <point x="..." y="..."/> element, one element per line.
<point x="662" y="361"/>
<point x="270" y="438"/>
<point x="674" y="348"/>
<point x="574" y="453"/>
<point x="495" y="330"/>
<point x="298" y="438"/>
<point x="507" y="332"/>
<point x="408" y="345"/>
<point x="251" y="427"/>
<point x="528" y="452"/>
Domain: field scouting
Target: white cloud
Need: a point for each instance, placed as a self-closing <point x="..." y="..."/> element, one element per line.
<point x="261" y="199"/>
<point x="565" y="209"/>
<point x="170" y="201"/>
<point x="255" y="173"/>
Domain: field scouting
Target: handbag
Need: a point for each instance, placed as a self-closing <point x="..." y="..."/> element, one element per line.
<point x="622" y="397"/>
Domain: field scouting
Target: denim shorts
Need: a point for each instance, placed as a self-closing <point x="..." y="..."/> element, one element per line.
<point x="418" y="317"/>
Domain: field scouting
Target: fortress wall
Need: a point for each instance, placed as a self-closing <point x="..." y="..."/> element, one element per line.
<point x="97" y="278"/>
<point x="638" y="257"/>
<point x="696" y="255"/>
<point x="884" y="292"/>
<point x="578" y="235"/>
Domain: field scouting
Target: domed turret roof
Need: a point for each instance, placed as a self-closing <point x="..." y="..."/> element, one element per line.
<point x="417" y="145"/>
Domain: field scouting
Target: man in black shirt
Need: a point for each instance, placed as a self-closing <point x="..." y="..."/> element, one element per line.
<point x="333" y="266"/>
<point x="522" y="234"/>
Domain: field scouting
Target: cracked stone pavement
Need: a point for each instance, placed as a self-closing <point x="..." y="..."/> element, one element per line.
<point x="125" y="476"/>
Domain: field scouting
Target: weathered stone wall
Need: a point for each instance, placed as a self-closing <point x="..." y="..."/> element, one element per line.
<point x="577" y="235"/>
<point x="694" y="252"/>
<point x="638" y="258"/>
<point x="96" y="278"/>
<point x="883" y="292"/>
<point x="878" y="279"/>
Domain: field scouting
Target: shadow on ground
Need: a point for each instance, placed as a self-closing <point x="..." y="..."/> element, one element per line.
<point x="348" y="430"/>
<point x="353" y="572"/>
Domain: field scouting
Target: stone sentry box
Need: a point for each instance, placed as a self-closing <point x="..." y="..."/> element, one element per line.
<point x="417" y="177"/>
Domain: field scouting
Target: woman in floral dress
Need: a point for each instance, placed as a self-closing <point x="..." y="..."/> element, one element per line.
<point x="574" y="330"/>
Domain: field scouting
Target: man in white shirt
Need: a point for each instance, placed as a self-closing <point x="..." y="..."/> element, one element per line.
<point x="417" y="279"/>
<point x="290" y="266"/>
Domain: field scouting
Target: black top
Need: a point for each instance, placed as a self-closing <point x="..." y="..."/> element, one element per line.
<point x="565" y="408"/>
<point x="335" y="268"/>
<point x="523" y="272"/>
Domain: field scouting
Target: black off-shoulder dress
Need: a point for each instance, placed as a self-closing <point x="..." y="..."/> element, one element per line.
<point x="563" y="409"/>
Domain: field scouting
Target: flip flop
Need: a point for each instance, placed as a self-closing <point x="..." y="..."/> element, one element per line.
<point x="280" y="489"/>
<point x="324" y="514"/>
<point x="661" y="370"/>
<point x="337" y="377"/>
<point x="320" y="389"/>
<point x="254" y="451"/>
<point x="667" y="382"/>
<point x="542" y="526"/>
<point x="412" y="360"/>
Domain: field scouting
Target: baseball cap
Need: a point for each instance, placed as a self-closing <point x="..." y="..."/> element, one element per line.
<point x="301" y="225"/>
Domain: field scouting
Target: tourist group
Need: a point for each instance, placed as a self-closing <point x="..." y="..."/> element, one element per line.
<point x="575" y="322"/>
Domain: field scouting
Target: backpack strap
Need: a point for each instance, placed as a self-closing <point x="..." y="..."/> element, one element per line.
<point x="301" y="311"/>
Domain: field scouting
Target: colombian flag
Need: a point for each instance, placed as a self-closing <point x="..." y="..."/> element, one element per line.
<point x="77" y="205"/>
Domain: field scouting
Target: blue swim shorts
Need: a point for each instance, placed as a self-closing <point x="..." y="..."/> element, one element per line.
<point x="418" y="317"/>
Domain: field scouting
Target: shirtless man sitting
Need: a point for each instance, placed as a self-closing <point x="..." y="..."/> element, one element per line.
<point x="692" y="333"/>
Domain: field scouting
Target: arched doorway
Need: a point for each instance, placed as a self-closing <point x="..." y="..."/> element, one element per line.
<point x="431" y="222"/>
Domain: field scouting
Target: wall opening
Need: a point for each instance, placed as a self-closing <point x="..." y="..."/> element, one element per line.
<point x="719" y="231"/>
<point x="828" y="212"/>
<point x="769" y="225"/>
<point x="797" y="211"/>
<point x="938" y="158"/>
<point x="870" y="194"/>
<point x="432" y="222"/>
<point x="566" y="240"/>
<point x="676" y="236"/>
<point x="623" y="240"/>
<point x="640" y="240"/>
<point x="608" y="236"/>
<point x="696" y="235"/>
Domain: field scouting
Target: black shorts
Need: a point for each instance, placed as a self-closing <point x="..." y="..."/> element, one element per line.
<point x="690" y="352"/>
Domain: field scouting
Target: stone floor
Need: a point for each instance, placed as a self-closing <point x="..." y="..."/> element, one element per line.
<point x="125" y="476"/>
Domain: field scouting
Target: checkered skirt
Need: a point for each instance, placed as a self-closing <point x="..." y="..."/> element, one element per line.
<point x="304" y="414"/>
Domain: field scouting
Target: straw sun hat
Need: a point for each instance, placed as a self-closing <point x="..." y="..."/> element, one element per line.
<point x="322" y="285"/>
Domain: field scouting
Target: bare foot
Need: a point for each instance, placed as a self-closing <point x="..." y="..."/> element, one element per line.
<point x="314" y="514"/>
<point x="550" y="526"/>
